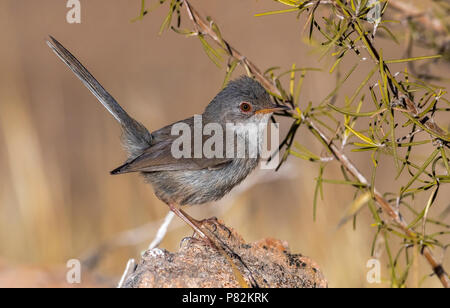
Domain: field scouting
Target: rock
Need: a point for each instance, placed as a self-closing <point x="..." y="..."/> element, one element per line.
<point x="266" y="263"/>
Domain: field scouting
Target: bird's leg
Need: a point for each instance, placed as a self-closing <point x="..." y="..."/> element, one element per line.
<point x="193" y="223"/>
<point x="219" y="245"/>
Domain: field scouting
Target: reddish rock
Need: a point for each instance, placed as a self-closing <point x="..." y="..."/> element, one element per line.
<point x="266" y="263"/>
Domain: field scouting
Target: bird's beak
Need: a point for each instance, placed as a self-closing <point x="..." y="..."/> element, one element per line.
<point x="273" y="109"/>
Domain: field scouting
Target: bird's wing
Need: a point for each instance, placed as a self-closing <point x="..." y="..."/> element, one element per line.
<point x="159" y="156"/>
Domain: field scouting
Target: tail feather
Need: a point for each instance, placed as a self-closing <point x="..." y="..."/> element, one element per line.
<point x="136" y="137"/>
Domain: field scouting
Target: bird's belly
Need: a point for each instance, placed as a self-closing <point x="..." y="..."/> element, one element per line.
<point x="199" y="186"/>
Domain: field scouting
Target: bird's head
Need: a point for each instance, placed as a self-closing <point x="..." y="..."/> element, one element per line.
<point x="242" y="101"/>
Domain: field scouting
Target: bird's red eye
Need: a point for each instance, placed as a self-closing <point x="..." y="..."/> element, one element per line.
<point x="245" y="107"/>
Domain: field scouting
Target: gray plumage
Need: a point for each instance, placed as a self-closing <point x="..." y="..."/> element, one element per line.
<point x="185" y="180"/>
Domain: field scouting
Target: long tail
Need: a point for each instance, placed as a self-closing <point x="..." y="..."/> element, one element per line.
<point x="136" y="137"/>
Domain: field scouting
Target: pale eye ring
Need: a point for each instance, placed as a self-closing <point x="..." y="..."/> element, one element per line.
<point x="245" y="107"/>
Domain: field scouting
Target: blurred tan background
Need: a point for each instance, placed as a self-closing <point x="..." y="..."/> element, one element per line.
<point x="58" y="144"/>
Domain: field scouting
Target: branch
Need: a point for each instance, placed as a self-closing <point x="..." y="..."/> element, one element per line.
<point x="205" y="28"/>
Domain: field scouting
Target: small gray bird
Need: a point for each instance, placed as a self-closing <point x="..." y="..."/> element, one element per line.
<point x="185" y="180"/>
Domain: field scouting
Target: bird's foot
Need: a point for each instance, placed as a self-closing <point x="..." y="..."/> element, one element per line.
<point x="212" y="223"/>
<point x="204" y="241"/>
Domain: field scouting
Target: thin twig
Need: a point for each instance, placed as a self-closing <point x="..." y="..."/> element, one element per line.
<point x="129" y="269"/>
<point x="162" y="231"/>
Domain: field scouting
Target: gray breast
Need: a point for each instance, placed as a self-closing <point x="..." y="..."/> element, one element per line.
<point x="199" y="186"/>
